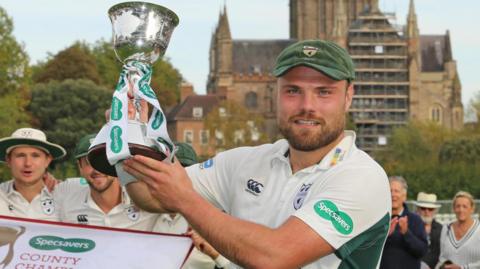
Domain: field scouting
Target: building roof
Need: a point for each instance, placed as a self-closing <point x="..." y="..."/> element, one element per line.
<point x="256" y="56"/>
<point x="435" y="51"/>
<point x="184" y="111"/>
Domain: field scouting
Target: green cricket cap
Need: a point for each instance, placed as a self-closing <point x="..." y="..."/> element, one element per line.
<point x="81" y="149"/>
<point x="185" y="154"/>
<point x="324" y="56"/>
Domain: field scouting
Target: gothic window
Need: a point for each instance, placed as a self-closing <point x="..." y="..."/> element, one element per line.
<point x="251" y="100"/>
<point x="436" y="114"/>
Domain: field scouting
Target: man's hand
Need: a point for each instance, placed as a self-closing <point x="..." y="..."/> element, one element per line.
<point x="167" y="182"/>
<point x="393" y="225"/>
<point x="50" y="181"/>
<point x="203" y="245"/>
<point x="143" y="198"/>
<point x="403" y="224"/>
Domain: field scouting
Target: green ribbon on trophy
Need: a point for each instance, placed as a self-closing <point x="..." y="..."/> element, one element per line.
<point x="117" y="142"/>
<point x="141" y="33"/>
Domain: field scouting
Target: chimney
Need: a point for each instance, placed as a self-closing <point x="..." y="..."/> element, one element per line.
<point x="186" y="90"/>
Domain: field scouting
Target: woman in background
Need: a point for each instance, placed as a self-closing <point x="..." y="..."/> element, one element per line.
<point x="460" y="240"/>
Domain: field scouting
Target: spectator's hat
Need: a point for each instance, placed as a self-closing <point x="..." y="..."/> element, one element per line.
<point x="185" y="154"/>
<point x="428" y="200"/>
<point x="31" y="138"/>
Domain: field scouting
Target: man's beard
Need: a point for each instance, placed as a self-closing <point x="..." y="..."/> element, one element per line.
<point x="426" y="220"/>
<point x="310" y="140"/>
<point x="103" y="188"/>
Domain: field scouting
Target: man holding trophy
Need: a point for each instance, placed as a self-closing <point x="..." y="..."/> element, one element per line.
<point x="295" y="203"/>
<point x="306" y="209"/>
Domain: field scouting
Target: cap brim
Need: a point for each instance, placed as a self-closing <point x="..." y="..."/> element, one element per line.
<point x="330" y="72"/>
<point x="427" y="205"/>
<point x="78" y="156"/>
<point x="55" y="150"/>
<point x="186" y="162"/>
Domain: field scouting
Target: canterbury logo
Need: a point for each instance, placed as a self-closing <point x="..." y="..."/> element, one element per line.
<point x="254" y="187"/>
<point x="82" y="219"/>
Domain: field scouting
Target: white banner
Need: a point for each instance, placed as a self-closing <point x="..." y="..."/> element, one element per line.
<point x="32" y="244"/>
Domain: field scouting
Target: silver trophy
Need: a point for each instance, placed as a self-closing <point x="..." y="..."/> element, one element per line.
<point x="141" y="33"/>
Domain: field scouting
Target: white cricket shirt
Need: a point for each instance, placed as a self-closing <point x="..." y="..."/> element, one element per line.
<point x="77" y="206"/>
<point x="4" y="204"/>
<point x="345" y="198"/>
<point x="42" y="207"/>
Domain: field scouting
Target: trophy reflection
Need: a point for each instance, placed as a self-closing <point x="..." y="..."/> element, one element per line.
<point x="141" y="33"/>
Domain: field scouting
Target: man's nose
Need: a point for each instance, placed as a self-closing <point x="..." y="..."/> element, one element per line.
<point x="308" y="101"/>
<point x="28" y="161"/>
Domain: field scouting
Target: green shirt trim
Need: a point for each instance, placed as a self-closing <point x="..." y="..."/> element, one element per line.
<point x="365" y="250"/>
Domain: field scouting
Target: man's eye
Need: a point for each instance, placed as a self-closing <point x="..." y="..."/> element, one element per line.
<point x="292" y="90"/>
<point x="324" y="92"/>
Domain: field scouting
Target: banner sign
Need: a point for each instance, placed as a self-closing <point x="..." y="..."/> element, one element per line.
<point x="34" y="244"/>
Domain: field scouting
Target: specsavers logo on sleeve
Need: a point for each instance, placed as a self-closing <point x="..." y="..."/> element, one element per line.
<point x="329" y="211"/>
<point x="72" y="245"/>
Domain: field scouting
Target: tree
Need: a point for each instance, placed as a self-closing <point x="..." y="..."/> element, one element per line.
<point x="109" y="67"/>
<point x="461" y="150"/>
<point x="74" y="62"/>
<point x="12" y="117"/>
<point x="68" y="110"/>
<point x="232" y="125"/>
<point x="433" y="159"/>
<point x="14" y="70"/>
<point x="472" y="115"/>
<point x="13" y="114"/>
<point x="165" y="78"/>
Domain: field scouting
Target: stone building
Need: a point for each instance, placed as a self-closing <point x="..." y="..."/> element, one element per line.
<point x="401" y="75"/>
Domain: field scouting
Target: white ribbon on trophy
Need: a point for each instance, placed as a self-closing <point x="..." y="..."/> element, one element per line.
<point x="141" y="33"/>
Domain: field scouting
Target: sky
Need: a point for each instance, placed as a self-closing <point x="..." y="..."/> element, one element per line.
<point x="49" y="26"/>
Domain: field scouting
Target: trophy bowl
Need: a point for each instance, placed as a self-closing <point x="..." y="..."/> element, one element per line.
<point x="141" y="33"/>
<point x="137" y="143"/>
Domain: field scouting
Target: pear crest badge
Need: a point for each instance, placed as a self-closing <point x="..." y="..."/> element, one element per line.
<point x="309" y="51"/>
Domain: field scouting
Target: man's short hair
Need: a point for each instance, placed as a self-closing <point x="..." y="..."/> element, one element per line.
<point x="400" y="180"/>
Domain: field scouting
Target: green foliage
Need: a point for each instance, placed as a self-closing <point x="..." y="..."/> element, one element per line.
<point x="13" y="113"/>
<point x="14" y="70"/>
<point x="444" y="180"/>
<point x="231" y="125"/>
<point x="165" y="78"/>
<point x="434" y="159"/>
<point x="68" y="110"/>
<point x="75" y="62"/>
<point x="109" y="67"/>
<point x="166" y="82"/>
<point x="12" y="117"/>
<point x="461" y="150"/>
<point x="349" y="123"/>
<point x="475" y="103"/>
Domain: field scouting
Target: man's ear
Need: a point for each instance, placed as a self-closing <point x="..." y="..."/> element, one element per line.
<point x="348" y="96"/>
<point x="7" y="160"/>
<point x="49" y="160"/>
